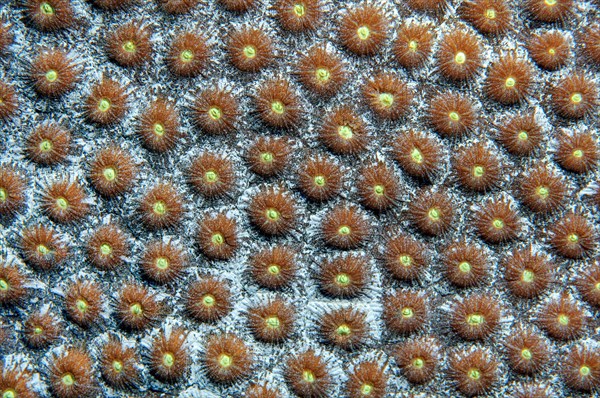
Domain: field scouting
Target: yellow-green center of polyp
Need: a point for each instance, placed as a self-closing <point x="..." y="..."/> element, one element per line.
<point x="345" y="132"/>
<point x="159" y="207"/>
<point x="109" y="173"/>
<point x="208" y="300"/>
<point x="168" y="360"/>
<point x="272" y="322"/>
<point x="299" y="10"/>
<point x="67" y="379"/>
<point x="46" y="145"/>
<point x="322" y="75"/>
<point x="225" y="361"/>
<point x="51" y="75"/>
<point x="217" y="239"/>
<point x="117" y="366"/>
<point x="363" y="32"/>
<point x="186" y="56"/>
<point x="46" y="8"/>
<point x="162" y="263"/>
<point x="343" y="330"/>
<point x="344" y="230"/>
<point x="278" y="107"/>
<point x="342" y="279"/>
<point x="129" y="46"/>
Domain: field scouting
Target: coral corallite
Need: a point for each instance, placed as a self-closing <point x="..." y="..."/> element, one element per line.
<point x="299" y="198"/>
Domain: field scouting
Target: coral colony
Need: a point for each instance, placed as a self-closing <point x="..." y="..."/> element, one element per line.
<point x="299" y="198"/>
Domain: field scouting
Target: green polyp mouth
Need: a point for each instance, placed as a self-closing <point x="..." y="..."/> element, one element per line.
<point x="46" y="8"/>
<point x="162" y="263"/>
<point x="542" y="192"/>
<point x="475" y="319"/>
<point x="186" y="56"/>
<point x="3" y="195"/>
<point x="460" y="58"/>
<point x="405" y="260"/>
<point x="363" y="32"/>
<point x="418" y="363"/>
<point x="136" y="309"/>
<point x="10" y="393"/>
<point x="366" y="389"/>
<point x="552" y="51"/>
<point x="274" y="269"/>
<point x="576" y="98"/>
<point x="490" y="13"/>
<point x="117" y="366"/>
<point x="578" y="153"/>
<point x="413" y="45"/>
<point x="563" y="319"/>
<point x="208" y="300"/>
<point x="109" y="173"/>
<point x="343" y="330"/>
<point x="434" y="214"/>
<point x="43" y="250"/>
<point x="573" y="238"/>
<point x="345" y="132"/>
<point x="273" y="214"/>
<point x="168" y="360"/>
<point x="51" y="76"/>
<point x="129" y="46"/>
<point x="526" y="354"/>
<point x="249" y="51"/>
<point x="510" y="82"/>
<point x="597" y="286"/>
<point x="299" y="10"/>
<point x="4" y="285"/>
<point x="464" y="267"/>
<point x="104" y="105"/>
<point x="272" y="322"/>
<point x="81" y="305"/>
<point x="342" y="279"/>
<point x="379" y="190"/>
<point x="407" y="312"/>
<point x="319" y="181"/>
<point x="46" y="145"/>
<point x="386" y="99"/>
<point x="211" y="176"/>
<point x="585" y="370"/>
<point x="215" y="113"/>
<point x="266" y="157"/>
<point x="550" y="2"/>
<point x="523" y="136"/>
<point x="105" y="249"/>
<point x="474" y="374"/>
<point x="528" y="276"/>
<point x="225" y="360"/>
<point x="478" y="171"/>
<point x="454" y="116"/>
<point x="217" y="239"/>
<point x="416" y="156"/>
<point x="159" y="129"/>
<point x="278" y="107"/>
<point x="38" y="330"/>
<point x="322" y="75"/>
<point x="308" y="376"/>
<point x="160" y="207"/>
<point x="68" y="379"/>
<point x="62" y="203"/>
<point x="344" y="230"/>
<point x="498" y="224"/>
